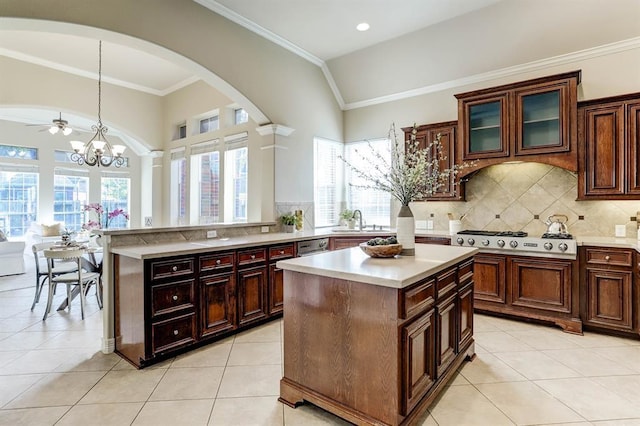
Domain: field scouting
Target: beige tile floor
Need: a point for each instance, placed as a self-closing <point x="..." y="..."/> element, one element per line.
<point x="53" y="373"/>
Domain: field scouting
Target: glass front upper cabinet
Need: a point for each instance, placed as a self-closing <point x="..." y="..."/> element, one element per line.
<point x="487" y="122"/>
<point x="541" y="120"/>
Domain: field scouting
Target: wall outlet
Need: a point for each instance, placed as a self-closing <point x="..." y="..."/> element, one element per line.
<point x="212" y="234"/>
<point x="264" y="229"/>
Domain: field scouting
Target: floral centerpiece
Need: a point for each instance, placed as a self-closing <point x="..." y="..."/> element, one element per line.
<point x="102" y="218"/>
<point x="408" y="173"/>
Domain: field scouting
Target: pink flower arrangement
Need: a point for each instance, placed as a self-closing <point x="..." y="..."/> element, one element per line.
<point x="99" y="211"/>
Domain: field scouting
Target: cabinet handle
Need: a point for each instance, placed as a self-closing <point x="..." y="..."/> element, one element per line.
<point x="218" y="262"/>
<point x="281" y="251"/>
<point x="175" y="332"/>
<point x="253" y="256"/>
<point x="175" y="297"/>
<point x="174" y="268"/>
<point x="607" y="258"/>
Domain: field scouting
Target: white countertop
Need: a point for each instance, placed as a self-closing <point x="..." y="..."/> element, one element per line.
<point x="398" y="272"/>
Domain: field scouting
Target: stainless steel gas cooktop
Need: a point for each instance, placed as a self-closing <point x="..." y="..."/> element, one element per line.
<point x="518" y="243"/>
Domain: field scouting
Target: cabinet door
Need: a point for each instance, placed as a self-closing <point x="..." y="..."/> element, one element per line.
<point x="541" y="284"/>
<point x="465" y="316"/>
<point x="446" y="334"/>
<point x="484" y="126"/>
<point x="252" y="294"/>
<point x="426" y="135"/>
<point x="609" y="302"/>
<point x="418" y="365"/>
<point x="602" y="128"/>
<point x="633" y="139"/>
<point x="489" y="274"/>
<point x="338" y="243"/>
<point x="218" y="313"/>
<point x="542" y="120"/>
<point x="276" y="289"/>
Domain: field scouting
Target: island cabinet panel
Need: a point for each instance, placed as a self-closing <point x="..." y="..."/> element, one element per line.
<point x="337" y="243"/>
<point x="252" y="294"/>
<point x="371" y="354"/>
<point x="610" y="298"/>
<point x="418" y="368"/>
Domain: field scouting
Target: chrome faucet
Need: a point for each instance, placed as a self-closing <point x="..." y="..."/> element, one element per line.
<point x="359" y="218"/>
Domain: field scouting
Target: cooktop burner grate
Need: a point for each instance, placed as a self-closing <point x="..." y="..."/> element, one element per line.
<point x="557" y="236"/>
<point x="516" y="234"/>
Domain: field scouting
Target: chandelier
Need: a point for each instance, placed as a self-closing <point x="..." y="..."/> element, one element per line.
<point x="98" y="151"/>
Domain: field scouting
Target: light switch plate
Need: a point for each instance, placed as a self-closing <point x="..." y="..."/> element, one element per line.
<point x="212" y="234"/>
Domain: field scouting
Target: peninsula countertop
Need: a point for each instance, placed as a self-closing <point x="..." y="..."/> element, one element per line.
<point x="353" y="264"/>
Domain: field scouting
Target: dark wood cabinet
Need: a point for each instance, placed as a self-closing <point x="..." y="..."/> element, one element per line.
<point x="337" y="243"/>
<point x="418" y="348"/>
<point x="542" y="289"/>
<point x="170" y="305"/>
<point x="608" y="288"/>
<point x="490" y="278"/>
<point x="608" y="142"/>
<point x="533" y="120"/>
<point x="447" y="333"/>
<point x="425" y="135"/>
<point x="445" y="241"/>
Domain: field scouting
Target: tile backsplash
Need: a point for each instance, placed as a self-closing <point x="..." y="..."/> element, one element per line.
<point x="510" y="196"/>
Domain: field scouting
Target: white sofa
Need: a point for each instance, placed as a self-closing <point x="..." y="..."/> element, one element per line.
<point x="12" y="257"/>
<point x="42" y="233"/>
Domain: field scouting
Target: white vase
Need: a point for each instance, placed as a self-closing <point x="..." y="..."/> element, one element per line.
<point x="406" y="231"/>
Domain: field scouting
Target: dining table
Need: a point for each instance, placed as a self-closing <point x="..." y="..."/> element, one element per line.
<point x="91" y="262"/>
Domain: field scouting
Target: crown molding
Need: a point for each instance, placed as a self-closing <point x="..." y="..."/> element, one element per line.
<point x="594" y="52"/>
<point x="274" y="129"/>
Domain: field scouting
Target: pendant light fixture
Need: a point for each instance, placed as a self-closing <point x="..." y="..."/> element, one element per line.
<point x="98" y="151"/>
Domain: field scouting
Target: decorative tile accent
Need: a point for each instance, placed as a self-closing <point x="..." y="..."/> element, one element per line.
<point x="509" y="196"/>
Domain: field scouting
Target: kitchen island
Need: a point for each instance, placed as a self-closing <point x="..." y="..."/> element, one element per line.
<point x="376" y="340"/>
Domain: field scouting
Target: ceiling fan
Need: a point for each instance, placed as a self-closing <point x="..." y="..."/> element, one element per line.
<point x="59" y="125"/>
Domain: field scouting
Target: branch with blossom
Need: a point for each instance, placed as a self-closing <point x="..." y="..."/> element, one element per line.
<point x="410" y="173"/>
<point x="99" y="212"/>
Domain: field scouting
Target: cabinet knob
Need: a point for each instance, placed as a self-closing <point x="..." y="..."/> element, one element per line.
<point x="253" y="256"/>
<point x="175" y="332"/>
<point x="218" y="262"/>
<point x="175" y="297"/>
<point x="281" y="251"/>
<point x="174" y="268"/>
<point x="607" y="258"/>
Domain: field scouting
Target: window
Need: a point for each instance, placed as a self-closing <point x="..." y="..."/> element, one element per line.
<point x="70" y="195"/>
<point x="19" y="152"/>
<point x="375" y="205"/>
<point x="18" y="199"/>
<point x="205" y="166"/>
<point x="209" y="124"/>
<point x="240" y="116"/>
<point x="182" y="131"/>
<point x="326" y="181"/>
<point x="236" y="163"/>
<point x="179" y="184"/>
<point x="115" y="195"/>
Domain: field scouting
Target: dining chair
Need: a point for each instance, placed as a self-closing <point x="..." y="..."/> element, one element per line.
<point x="42" y="271"/>
<point x="79" y="278"/>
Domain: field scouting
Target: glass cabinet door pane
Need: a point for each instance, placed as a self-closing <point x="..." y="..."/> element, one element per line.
<point x="541" y="119"/>
<point x="484" y="129"/>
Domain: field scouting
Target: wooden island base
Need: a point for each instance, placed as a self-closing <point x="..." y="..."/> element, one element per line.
<point x="371" y="354"/>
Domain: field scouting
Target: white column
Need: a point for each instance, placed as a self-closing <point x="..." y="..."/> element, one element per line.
<point x="272" y="135"/>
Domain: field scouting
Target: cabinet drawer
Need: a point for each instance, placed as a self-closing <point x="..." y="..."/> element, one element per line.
<point x="465" y="272"/>
<point x="172" y="297"/>
<point x="417" y="298"/>
<point x="609" y="257"/>
<point x="252" y="257"/>
<point x="280" y="252"/>
<point x="219" y="262"/>
<point x="172" y="268"/>
<point x="173" y="333"/>
<point x="446" y="281"/>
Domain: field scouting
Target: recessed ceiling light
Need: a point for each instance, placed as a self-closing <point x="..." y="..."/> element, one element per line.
<point x="362" y="26"/>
